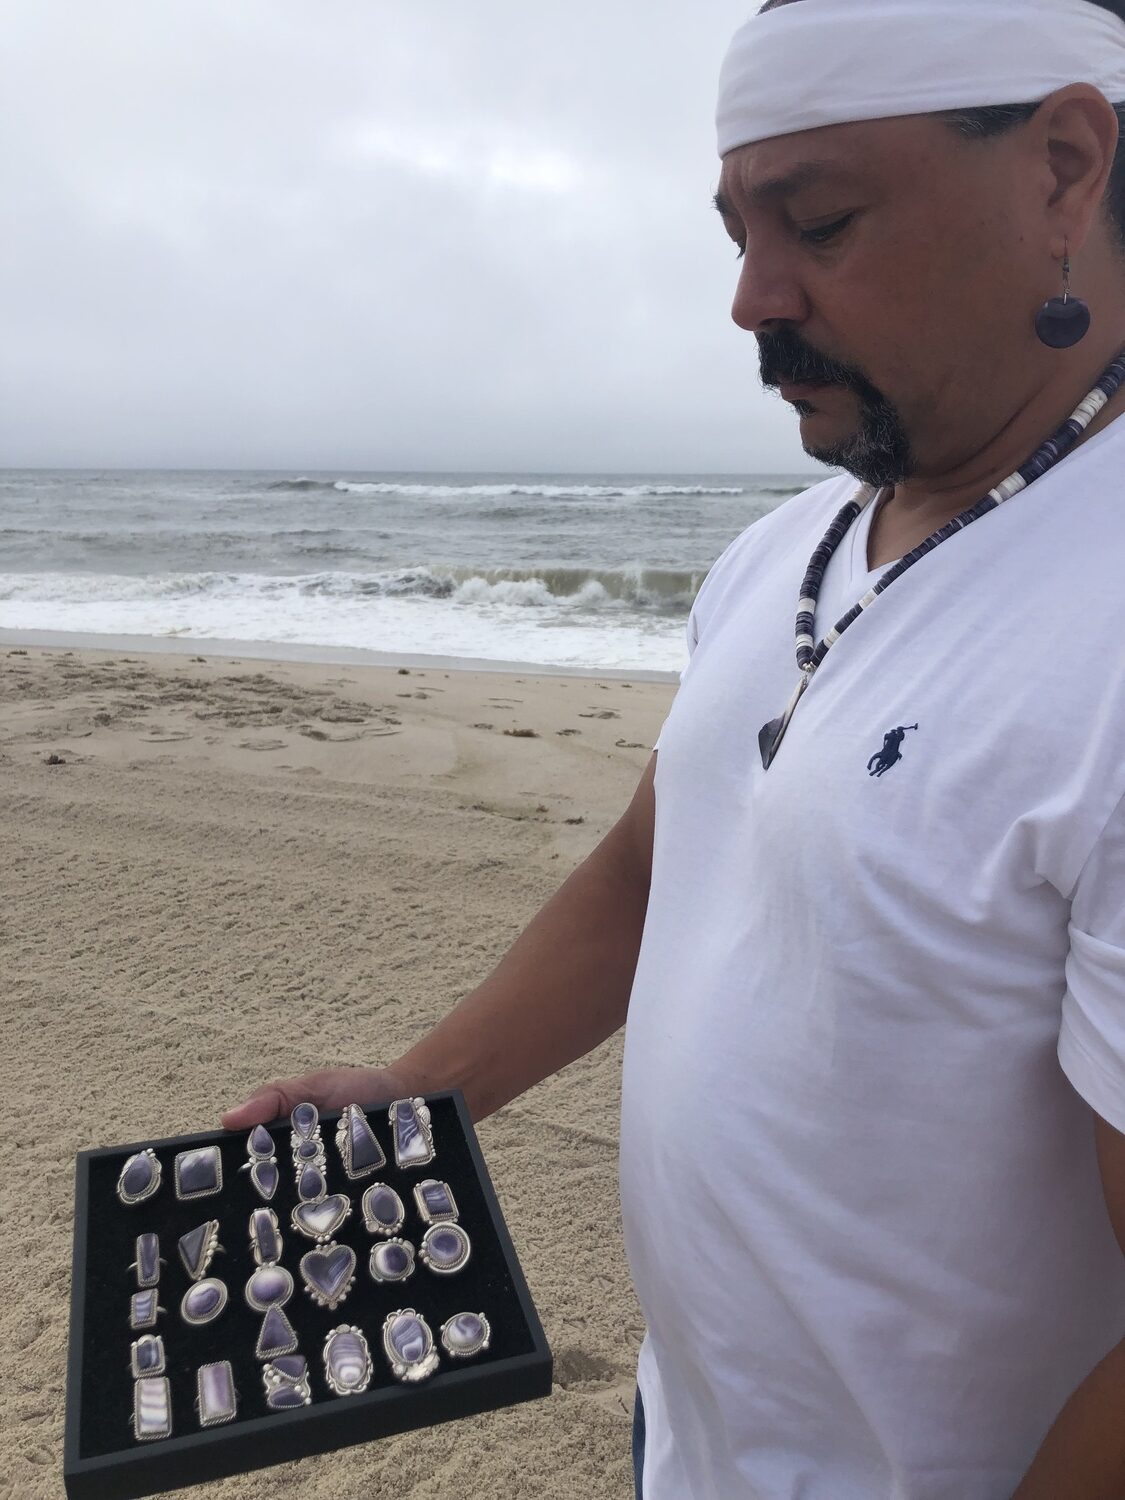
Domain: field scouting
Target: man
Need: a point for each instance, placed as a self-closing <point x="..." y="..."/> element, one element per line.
<point x="875" y="1053"/>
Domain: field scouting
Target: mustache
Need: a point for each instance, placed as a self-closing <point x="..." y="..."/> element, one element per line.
<point x="784" y="356"/>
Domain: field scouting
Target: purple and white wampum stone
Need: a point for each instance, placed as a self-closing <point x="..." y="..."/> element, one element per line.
<point x="465" y="1334"/>
<point x="359" y="1151"/>
<point x="262" y="1164"/>
<point x="146" y="1356"/>
<point x="413" y="1137"/>
<point x="328" y="1274"/>
<point x="383" y="1211"/>
<point x="199" y="1173"/>
<point x="203" y="1302"/>
<point x="409" y="1345"/>
<point x="140" y="1177"/>
<point x="278" y="1335"/>
<point x="143" y="1309"/>
<point x="435" y="1201"/>
<point x="197" y="1249"/>
<point x="309" y="1161"/>
<point x="320" y="1218"/>
<point x="147" y="1264"/>
<point x="347" y="1361"/>
<point x="391" y="1260"/>
<point x="216" y="1398"/>
<point x="265" y="1237"/>
<point x="269" y="1286"/>
<point x="152" y="1408"/>
<point x="445" y="1248"/>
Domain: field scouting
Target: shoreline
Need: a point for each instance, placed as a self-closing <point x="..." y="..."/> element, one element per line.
<point x="281" y="651"/>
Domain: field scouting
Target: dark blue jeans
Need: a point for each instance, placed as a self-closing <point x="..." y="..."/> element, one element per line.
<point x="638" y="1443"/>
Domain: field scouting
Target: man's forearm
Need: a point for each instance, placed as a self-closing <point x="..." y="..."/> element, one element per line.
<point x="561" y="988"/>
<point x="1083" y="1455"/>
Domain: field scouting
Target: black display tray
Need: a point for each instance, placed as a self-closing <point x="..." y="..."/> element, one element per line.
<point x="102" y="1461"/>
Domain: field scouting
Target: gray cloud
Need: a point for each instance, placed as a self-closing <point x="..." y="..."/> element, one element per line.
<point x="386" y="235"/>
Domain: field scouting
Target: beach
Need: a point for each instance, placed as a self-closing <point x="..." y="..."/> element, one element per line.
<point x="222" y="869"/>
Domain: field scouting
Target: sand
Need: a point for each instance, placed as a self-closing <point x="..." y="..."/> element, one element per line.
<point x="233" y="870"/>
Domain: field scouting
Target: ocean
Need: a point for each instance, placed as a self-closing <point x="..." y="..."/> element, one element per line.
<point x="586" y="571"/>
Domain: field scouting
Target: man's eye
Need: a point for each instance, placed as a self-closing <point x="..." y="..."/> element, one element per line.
<point x="828" y="231"/>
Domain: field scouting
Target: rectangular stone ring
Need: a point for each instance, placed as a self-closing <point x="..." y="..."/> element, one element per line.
<point x="216" y="1399"/>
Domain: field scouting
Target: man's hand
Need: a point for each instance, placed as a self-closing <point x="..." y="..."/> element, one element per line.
<point x="329" y="1088"/>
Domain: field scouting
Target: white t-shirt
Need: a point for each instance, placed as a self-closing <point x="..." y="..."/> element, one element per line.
<point x="860" y="1197"/>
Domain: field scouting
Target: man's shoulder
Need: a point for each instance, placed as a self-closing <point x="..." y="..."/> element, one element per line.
<point x="799" y="522"/>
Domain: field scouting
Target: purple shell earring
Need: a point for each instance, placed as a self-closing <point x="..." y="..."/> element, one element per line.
<point x="1063" y="321"/>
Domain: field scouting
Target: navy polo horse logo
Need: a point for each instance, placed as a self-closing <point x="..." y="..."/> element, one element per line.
<point x="891" y="753"/>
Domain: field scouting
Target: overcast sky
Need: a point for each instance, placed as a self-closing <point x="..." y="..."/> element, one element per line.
<point x="370" y="234"/>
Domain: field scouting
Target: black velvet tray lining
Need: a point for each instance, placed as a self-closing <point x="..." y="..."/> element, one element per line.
<point x="483" y="1285"/>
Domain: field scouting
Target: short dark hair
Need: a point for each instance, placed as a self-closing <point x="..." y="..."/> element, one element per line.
<point x="998" y="119"/>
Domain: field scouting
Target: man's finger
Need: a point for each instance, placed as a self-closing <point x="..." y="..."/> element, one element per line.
<point x="267" y="1104"/>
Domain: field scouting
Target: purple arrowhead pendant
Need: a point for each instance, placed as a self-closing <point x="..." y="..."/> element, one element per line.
<point x="383" y="1212"/>
<point x="146" y="1356"/>
<point x="199" y="1173"/>
<point x="269" y="1286"/>
<point x="409" y="1345"/>
<point x="277" y="1336"/>
<point x="147" y="1263"/>
<point x="445" y="1248"/>
<point x="203" y="1302"/>
<point x="216" y="1400"/>
<point x="435" y="1201"/>
<point x="152" y="1408"/>
<point x="347" y="1361"/>
<point x="319" y="1221"/>
<point x="264" y="1176"/>
<point x="328" y="1274"/>
<point x="286" y="1380"/>
<point x="140" y="1177"/>
<point x="413" y="1138"/>
<point x="465" y="1334"/>
<point x="392" y="1260"/>
<point x="197" y="1248"/>
<point x="359" y="1151"/>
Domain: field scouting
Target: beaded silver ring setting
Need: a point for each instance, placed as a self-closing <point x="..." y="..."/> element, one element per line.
<point x="465" y="1334"/>
<point x="383" y="1210"/>
<point x="445" y="1248"/>
<point x="347" y="1361"/>
<point x="144" y="1308"/>
<point x="391" y="1260"/>
<point x="198" y="1247"/>
<point x="409" y="1345"/>
<point x="360" y="1152"/>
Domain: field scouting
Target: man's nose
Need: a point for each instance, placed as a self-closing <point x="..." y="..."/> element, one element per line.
<point x="767" y="293"/>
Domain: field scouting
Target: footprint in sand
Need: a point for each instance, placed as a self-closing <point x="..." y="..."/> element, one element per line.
<point x="568" y="731"/>
<point x="263" y="744"/>
<point x="601" y="713"/>
<point x="165" y="739"/>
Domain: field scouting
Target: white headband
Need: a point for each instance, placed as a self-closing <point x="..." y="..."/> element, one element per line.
<point x="823" y="62"/>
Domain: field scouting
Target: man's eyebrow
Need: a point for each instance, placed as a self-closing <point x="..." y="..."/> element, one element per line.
<point x="784" y="186"/>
